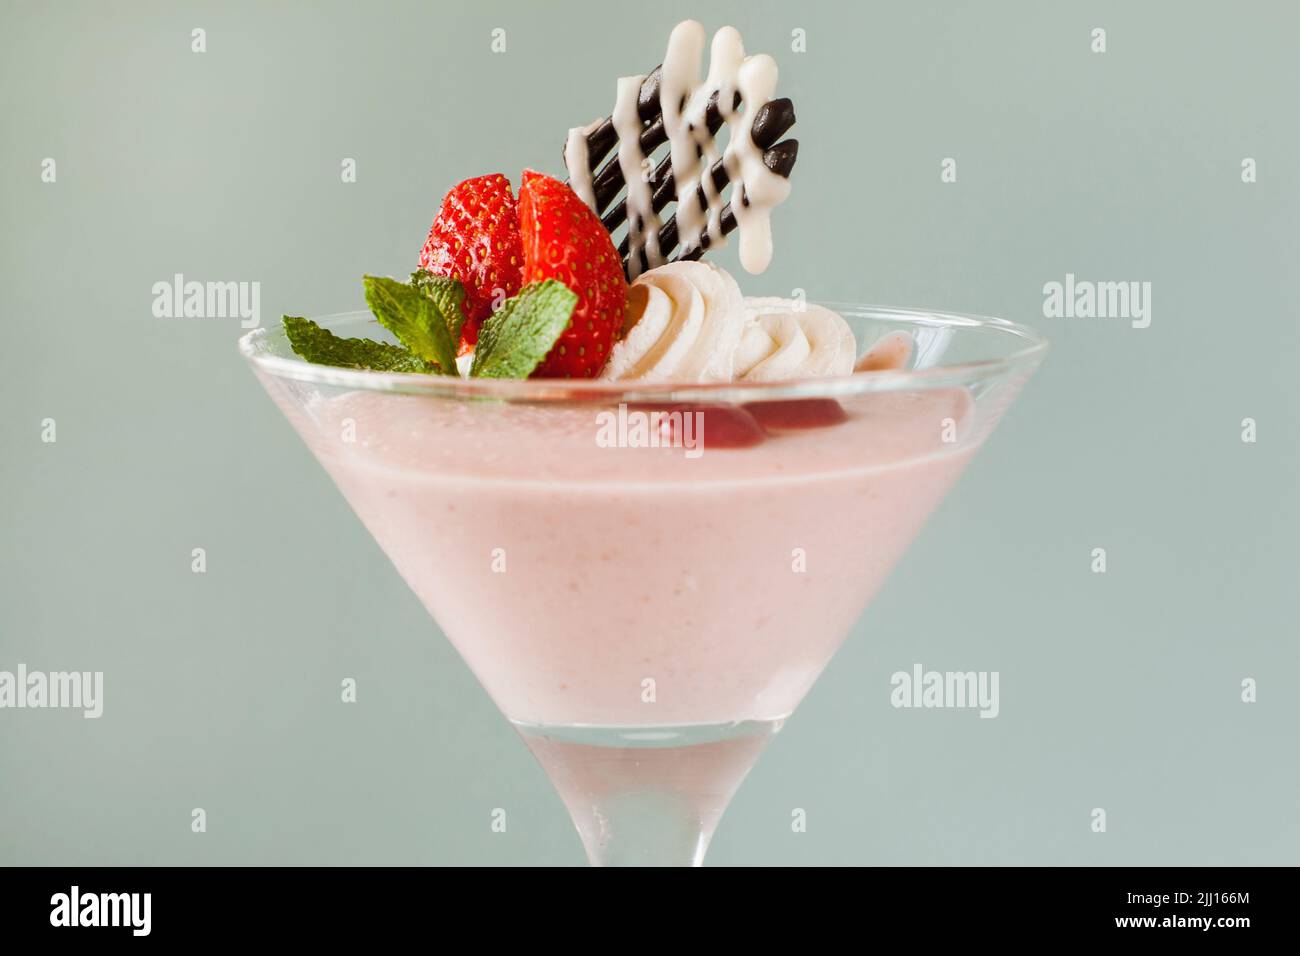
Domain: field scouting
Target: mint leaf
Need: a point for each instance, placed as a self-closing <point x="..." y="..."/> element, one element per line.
<point x="415" y="318"/>
<point x="325" y="348"/>
<point x="447" y="295"/>
<point x="514" y="340"/>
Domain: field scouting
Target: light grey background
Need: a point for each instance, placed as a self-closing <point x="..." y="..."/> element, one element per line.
<point x="1119" y="690"/>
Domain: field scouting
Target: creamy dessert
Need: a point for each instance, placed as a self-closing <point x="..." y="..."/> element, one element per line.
<point x="567" y="574"/>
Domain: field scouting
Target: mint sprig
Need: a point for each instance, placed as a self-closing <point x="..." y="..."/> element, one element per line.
<point x="513" y="341"/>
<point x="323" y="347"/>
<point x="417" y="319"/>
<point x="447" y="295"/>
<point x="425" y="315"/>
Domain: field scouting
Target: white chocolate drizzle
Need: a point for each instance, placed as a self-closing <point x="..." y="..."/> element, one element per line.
<point x="579" y="164"/>
<point x="758" y="188"/>
<point x="642" y="220"/>
<point x="693" y="149"/>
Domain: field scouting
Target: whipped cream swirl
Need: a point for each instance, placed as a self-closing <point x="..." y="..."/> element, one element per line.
<point x="684" y="322"/>
<point x="688" y="322"/>
<point x="788" y="338"/>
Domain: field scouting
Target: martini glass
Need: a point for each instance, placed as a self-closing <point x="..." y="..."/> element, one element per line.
<point x="648" y="617"/>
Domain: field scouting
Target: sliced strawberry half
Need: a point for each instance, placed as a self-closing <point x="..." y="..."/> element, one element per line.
<point x="475" y="239"/>
<point x="563" y="239"/>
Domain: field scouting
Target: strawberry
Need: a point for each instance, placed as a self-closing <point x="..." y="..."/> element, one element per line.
<point x="563" y="239"/>
<point x="797" y="414"/>
<point x="475" y="239"/>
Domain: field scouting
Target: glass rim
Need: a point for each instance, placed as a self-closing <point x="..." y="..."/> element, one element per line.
<point x="254" y="346"/>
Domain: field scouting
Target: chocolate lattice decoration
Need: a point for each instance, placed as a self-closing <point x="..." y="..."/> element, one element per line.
<point x="773" y="120"/>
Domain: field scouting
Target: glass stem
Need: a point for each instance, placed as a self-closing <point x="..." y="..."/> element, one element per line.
<point x="646" y="796"/>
